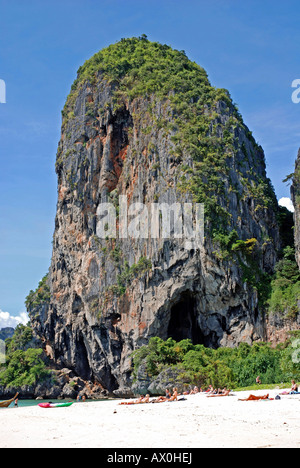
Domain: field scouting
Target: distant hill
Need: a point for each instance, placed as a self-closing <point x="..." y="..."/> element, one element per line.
<point x="6" y="332"/>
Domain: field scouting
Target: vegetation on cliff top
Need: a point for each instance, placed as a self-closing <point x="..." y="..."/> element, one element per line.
<point x="136" y="67"/>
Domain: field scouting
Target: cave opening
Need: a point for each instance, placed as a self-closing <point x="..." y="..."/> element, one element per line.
<point x="82" y="360"/>
<point x="183" y="322"/>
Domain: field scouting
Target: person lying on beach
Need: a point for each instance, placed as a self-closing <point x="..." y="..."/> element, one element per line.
<point x="223" y="392"/>
<point x="254" y="397"/>
<point x="213" y="391"/>
<point x="146" y="399"/>
<point x="194" y="391"/>
<point x="140" y="400"/>
<point x="170" y="397"/>
<point x="210" y="389"/>
<point x="218" y="391"/>
<point x="160" y="399"/>
<point x="132" y="402"/>
<point x="163" y="398"/>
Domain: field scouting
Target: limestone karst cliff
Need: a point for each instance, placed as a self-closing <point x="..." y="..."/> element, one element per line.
<point x="144" y="122"/>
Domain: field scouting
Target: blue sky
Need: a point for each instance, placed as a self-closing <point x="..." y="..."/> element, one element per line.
<point x="251" y="48"/>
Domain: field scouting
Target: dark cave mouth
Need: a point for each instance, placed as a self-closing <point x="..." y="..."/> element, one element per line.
<point x="183" y="322"/>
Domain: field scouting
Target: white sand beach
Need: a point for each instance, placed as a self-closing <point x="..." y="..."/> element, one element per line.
<point x="197" y="422"/>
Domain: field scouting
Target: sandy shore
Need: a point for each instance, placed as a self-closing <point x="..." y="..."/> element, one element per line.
<point x="197" y="422"/>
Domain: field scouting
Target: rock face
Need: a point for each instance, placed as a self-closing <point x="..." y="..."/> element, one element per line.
<point x="153" y="140"/>
<point x="295" y="193"/>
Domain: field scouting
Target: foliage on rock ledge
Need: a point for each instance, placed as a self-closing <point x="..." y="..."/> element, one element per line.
<point x="40" y="296"/>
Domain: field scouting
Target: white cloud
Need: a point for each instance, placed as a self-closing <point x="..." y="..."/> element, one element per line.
<point x="8" y="320"/>
<point x="287" y="202"/>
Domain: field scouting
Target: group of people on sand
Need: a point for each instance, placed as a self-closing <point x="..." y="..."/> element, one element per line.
<point x="218" y="392"/>
<point x="146" y="399"/>
<point x="174" y="396"/>
<point x="293" y="390"/>
<point x="210" y="391"/>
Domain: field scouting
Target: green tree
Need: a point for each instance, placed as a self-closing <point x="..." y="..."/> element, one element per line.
<point x="285" y="286"/>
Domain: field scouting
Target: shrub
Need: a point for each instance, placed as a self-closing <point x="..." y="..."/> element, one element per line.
<point x="24" y="365"/>
<point x="218" y="367"/>
<point x="285" y="292"/>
